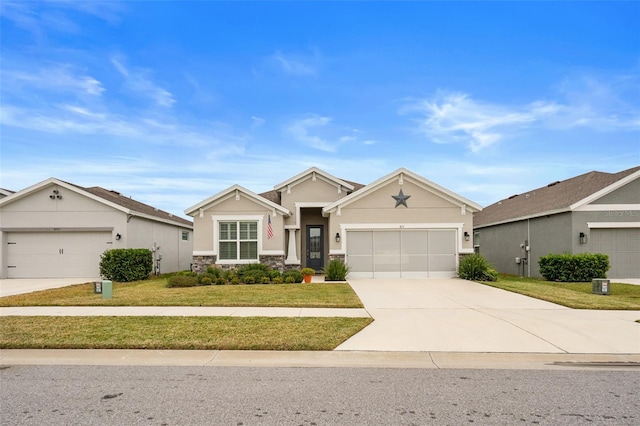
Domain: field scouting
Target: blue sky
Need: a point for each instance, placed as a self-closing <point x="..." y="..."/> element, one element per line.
<point x="172" y="102"/>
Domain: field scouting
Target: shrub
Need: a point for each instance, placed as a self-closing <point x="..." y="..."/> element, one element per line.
<point x="234" y="281"/>
<point x="216" y="272"/>
<point x="182" y="281"/>
<point x="220" y="281"/>
<point x="274" y="273"/>
<point x="567" y="267"/>
<point x="292" y="273"/>
<point x="266" y="280"/>
<point x="249" y="279"/>
<point x="307" y="271"/>
<point x="289" y="280"/>
<point x="336" y="270"/>
<point x="125" y="265"/>
<point x="476" y="268"/>
<point x="278" y="280"/>
<point x="206" y="281"/>
<point x="206" y="278"/>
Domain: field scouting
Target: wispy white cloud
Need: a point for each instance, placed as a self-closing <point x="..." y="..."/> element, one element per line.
<point x="53" y="78"/>
<point x="454" y="117"/>
<point x="302" y="130"/>
<point x="138" y="81"/>
<point x="257" y="122"/>
<point x="296" y="65"/>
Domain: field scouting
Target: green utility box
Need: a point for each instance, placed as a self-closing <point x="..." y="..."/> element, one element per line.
<point x="107" y="288"/>
<point x="600" y="286"/>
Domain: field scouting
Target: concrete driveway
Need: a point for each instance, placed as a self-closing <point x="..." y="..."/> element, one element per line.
<point x="453" y="315"/>
<point x="20" y="286"/>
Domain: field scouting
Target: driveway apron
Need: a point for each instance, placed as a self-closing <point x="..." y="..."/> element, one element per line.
<point x="454" y="315"/>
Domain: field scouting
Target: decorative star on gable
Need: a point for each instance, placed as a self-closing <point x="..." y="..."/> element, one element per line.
<point x="401" y="199"/>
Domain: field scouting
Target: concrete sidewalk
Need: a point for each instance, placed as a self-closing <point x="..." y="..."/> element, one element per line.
<point x="181" y="311"/>
<point x="319" y="359"/>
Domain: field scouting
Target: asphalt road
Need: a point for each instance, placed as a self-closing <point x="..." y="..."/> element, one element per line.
<point x="103" y="395"/>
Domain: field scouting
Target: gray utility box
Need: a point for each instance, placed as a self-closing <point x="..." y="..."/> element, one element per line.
<point x="600" y="286"/>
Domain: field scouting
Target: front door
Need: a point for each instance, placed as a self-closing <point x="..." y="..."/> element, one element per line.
<point x="315" y="244"/>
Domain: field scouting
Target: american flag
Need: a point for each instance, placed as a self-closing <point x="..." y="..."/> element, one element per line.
<point x="269" y="228"/>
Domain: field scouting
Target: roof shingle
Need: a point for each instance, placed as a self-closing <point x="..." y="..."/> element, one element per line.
<point x="556" y="196"/>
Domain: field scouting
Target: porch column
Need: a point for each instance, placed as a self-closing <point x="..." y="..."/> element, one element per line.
<point x="292" y="255"/>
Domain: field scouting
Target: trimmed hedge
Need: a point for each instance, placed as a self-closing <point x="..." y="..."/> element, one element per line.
<point x="125" y="265"/>
<point x="182" y="281"/>
<point x="571" y="268"/>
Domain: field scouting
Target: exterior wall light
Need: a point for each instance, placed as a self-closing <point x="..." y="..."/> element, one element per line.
<point x="337" y="237"/>
<point x="466" y="236"/>
<point x="583" y="238"/>
<point x="118" y="236"/>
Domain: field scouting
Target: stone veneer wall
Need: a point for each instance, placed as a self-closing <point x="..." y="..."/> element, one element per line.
<point x="337" y="256"/>
<point x="200" y="263"/>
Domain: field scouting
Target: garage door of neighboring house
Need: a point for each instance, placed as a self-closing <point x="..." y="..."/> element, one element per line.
<point x="55" y="254"/>
<point x="406" y="253"/>
<point x="623" y="247"/>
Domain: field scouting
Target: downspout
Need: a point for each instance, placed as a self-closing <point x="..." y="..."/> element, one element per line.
<point x="528" y="248"/>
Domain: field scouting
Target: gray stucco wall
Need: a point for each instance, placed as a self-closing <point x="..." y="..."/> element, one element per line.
<point x="501" y="244"/>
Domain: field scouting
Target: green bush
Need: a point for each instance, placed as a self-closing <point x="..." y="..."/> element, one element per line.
<point x="266" y="280"/>
<point x="182" y="281"/>
<point x="278" y="280"/>
<point x="476" y="268"/>
<point x="336" y="270"/>
<point x="125" y="265"/>
<point x="289" y="279"/>
<point x="220" y="281"/>
<point x="216" y="272"/>
<point x="567" y="267"/>
<point x="292" y="273"/>
<point x="274" y="273"/>
<point x="206" y="281"/>
<point x="249" y="279"/>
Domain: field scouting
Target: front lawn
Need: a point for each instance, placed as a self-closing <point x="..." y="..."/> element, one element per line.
<point x="221" y="333"/>
<point x="153" y="292"/>
<point x="572" y="295"/>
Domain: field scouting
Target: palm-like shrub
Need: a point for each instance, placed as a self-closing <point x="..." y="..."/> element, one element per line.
<point x="336" y="270"/>
<point x="476" y="268"/>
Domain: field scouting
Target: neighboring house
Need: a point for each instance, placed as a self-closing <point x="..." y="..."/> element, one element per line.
<point x="401" y="225"/>
<point x="5" y="193"/>
<point x="55" y="229"/>
<point x="592" y="213"/>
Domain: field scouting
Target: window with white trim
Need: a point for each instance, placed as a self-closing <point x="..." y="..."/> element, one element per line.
<point x="238" y="240"/>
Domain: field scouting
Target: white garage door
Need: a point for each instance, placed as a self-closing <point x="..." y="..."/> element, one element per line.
<point x="55" y="254"/>
<point x="406" y="253"/>
<point x="623" y="247"/>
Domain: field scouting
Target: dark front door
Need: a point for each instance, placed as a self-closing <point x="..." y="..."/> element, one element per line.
<point x="315" y="247"/>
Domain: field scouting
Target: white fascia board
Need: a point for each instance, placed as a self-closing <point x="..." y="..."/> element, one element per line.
<point x="518" y="219"/>
<point x="607" y="207"/>
<point x="606" y="190"/>
<point x="403" y="173"/>
<point x="159" y="219"/>
<point x="6" y="192"/>
<point x="309" y="173"/>
<point x="592" y="225"/>
<point x="229" y="192"/>
<point x="53" y="181"/>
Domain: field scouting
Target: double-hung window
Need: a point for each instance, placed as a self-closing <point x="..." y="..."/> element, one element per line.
<point x="238" y="240"/>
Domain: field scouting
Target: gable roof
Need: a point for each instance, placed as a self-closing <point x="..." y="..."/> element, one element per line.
<point x="6" y="192"/>
<point x="401" y="174"/>
<point x="313" y="173"/>
<point x="556" y="197"/>
<point x="111" y="198"/>
<point x="229" y="192"/>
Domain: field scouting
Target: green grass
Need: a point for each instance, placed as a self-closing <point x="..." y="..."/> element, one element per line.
<point x="153" y="292"/>
<point x="572" y="295"/>
<point x="221" y="333"/>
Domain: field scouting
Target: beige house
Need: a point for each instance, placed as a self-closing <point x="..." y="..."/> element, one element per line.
<point x="401" y="225"/>
<point x="55" y="229"/>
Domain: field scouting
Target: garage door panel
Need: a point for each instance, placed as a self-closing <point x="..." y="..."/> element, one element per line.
<point x="622" y="245"/>
<point x="55" y="254"/>
<point x="442" y="241"/>
<point x="411" y="253"/>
